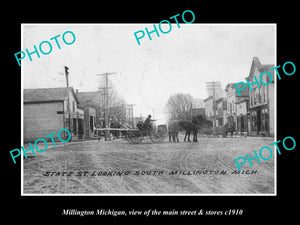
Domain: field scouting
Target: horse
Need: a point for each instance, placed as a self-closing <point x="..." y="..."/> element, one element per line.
<point x="190" y="126"/>
<point x="173" y="129"/>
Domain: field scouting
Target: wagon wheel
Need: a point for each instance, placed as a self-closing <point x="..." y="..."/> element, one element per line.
<point x="158" y="136"/>
<point x="134" y="136"/>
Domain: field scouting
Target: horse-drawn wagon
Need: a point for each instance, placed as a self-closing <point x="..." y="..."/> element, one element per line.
<point x="156" y="135"/>
<point x="136" y="135"/>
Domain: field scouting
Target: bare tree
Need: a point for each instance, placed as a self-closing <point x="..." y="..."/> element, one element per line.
<point x="117" y="105"/>
<point x="178" y="106"/>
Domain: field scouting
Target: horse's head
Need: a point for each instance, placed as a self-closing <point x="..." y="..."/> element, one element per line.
<point x="198" y="121"/>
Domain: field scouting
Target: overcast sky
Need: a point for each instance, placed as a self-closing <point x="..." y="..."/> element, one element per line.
<point x="181" y="61"/>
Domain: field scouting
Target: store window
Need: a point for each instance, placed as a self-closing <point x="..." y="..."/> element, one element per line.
<point x="74" y="126"/>
<point x="264" y="120"/>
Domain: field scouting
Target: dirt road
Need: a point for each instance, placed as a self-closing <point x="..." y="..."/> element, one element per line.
<point x="117" y="167"/>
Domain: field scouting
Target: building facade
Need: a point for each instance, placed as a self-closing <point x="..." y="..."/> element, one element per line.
<point x="231" y="114"/>
<point x="261" y="100"/>
<point x="89" y="121"/>
<point x="198" y="107"/>
<point x="209" y="110"/>
<point x="80" y="122"/>
<point x="221" y="110"/>
<point x="242" y="111"/>
<point x="90" y="102"/>
<point x="243" y="120"/>
<point x="197" y="112"/>
<point x="48" y="110"/>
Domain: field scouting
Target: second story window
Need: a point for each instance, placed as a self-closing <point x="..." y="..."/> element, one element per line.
<point x="257" y="96"/>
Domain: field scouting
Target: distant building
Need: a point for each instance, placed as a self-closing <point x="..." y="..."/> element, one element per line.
<point x="95" y="112"/>
<point x="237" y="107"/>
<point x="89" y="109"/>
<point x="198" y="111"/>
<point x="198" y="107"/>
<point x="262" y="100"/>
<point x="231" y="115"/>
<point x="209" y="110"/>
<point x="242" y="111"/>
<point x="80" y="122"/>
<point x="47" y="110"/>
<point x="221" y="109"/>
<point x="91" y="101"/>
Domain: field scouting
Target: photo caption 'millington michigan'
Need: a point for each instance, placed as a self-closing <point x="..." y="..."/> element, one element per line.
<point x="98" y="212"/>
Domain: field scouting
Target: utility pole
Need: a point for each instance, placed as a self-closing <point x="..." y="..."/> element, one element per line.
<point x="131" y="110"/>
<point x="106" y="102"/>
<point x="68" y="105"/>
<point x="214" y="100"/>
<point x="213" y="86"/>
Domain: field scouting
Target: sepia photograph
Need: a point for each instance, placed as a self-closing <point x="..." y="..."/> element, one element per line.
<point x="105" y="113"/>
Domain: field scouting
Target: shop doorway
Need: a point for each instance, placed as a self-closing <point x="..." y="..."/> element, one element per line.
<point x="258" y="121"/>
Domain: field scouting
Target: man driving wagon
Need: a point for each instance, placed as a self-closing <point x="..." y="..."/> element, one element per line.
<point x="148" y="123"/>
<point x="146" y="129"/>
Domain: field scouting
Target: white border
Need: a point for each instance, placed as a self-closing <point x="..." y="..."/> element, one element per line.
<point x="166" y="194"/>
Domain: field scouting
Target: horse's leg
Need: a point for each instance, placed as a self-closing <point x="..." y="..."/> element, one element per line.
<point x="170" y="137"/>
<point x="195" y="136"/>
<point x="177" y="136"/>
<point x="189" y="134"/>
<point x="185" y="136"/>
